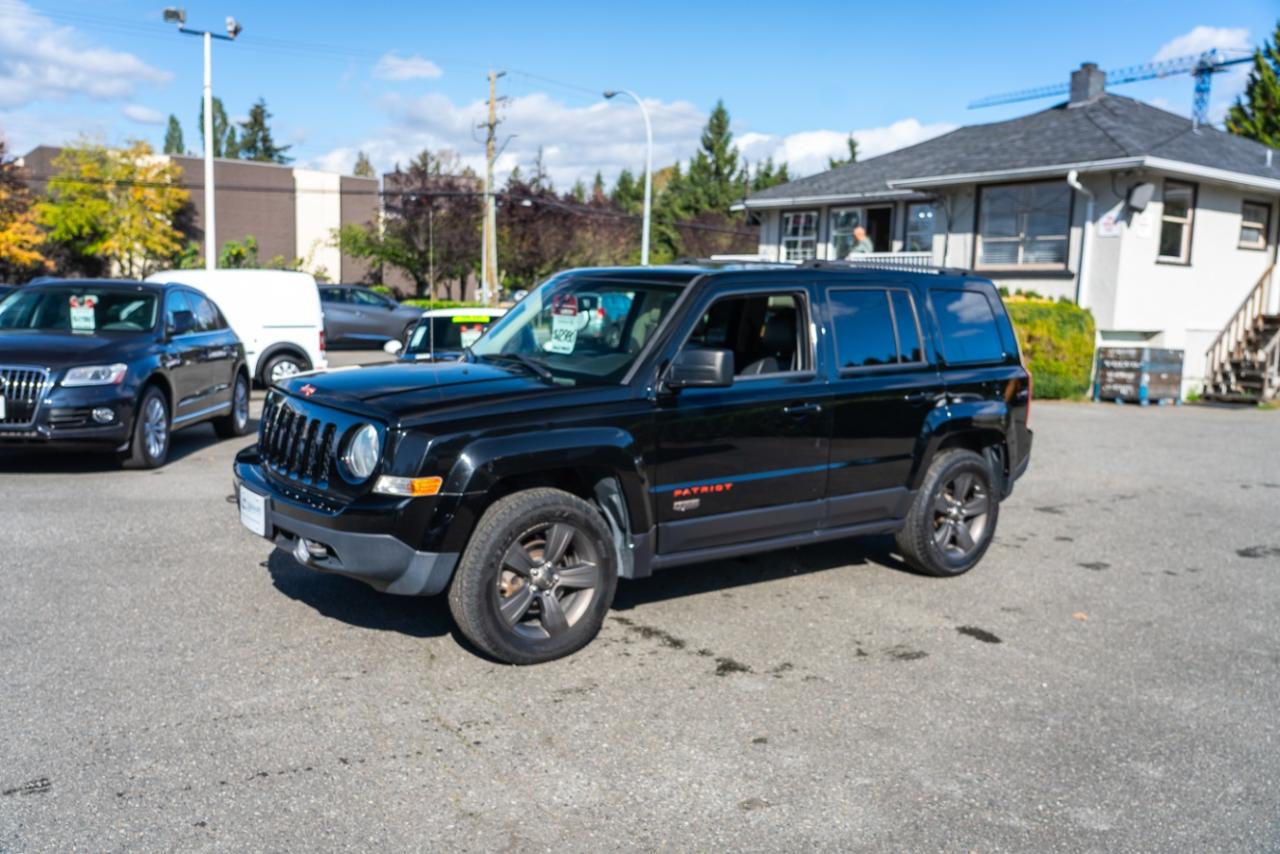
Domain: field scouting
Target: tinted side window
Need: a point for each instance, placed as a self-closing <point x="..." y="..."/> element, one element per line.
<point x="207" y="317"/>
<point x="174" y="305"/>
<point x="969" y="332"/>
<point x="331" y="295"/>
<point x="863" y="327"/>
<point x="368" y="298"/>
<point x="908" y="326"/>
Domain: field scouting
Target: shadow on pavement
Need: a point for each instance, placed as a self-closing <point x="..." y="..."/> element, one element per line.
<point x="37" y="459"/>
<point x="358" y="604"/>
<point x="754" y="569"/>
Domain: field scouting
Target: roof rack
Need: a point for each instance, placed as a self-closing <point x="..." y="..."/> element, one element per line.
<point x="730" y="262"/>
<point x="903" y="266"/>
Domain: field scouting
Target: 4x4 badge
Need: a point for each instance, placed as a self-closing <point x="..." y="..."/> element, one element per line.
<point x="307" y="390"/>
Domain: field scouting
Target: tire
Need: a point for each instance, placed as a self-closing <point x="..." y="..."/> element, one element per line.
<point x="236" y="422"/>
<point x="152" y="431"/>
<point x="953" y="517"/>
<point x="502" y="571"/>
<point x="279" y="368"/>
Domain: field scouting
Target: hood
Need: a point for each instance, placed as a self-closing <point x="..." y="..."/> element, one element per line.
<point x="65" y="350"/>
<point x="399" y="390"/>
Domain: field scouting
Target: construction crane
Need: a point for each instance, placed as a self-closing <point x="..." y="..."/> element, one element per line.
<point x="1202" y="66"/>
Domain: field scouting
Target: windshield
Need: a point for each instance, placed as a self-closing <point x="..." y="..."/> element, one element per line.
<point x="580" y="329"/>
<point x="447" y="333"/>
<point x="84" y="310"/>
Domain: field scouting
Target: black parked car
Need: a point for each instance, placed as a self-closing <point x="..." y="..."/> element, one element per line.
<point x="117" y="365"/>
<point x="357" y="316"/>
<point x="712" y="412"/>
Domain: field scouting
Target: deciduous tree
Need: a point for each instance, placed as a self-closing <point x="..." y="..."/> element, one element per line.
<point x="21" y="240"/>
<point x="173" y="143"/>
<point x="224" y="133"/>
<point x="363" y="168"/>
<point x="116" y="205"/>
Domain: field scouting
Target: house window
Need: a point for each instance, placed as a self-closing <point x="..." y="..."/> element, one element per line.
<point x="1255" y="225"/>
<point x="919" y="236"/>
<point x="799" y="235"/>
<point x="1024" y="225"/>
<point x="843" y="222"/>
<point x="1175" y="222"/>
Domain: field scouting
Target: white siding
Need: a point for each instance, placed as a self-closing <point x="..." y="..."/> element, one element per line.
<point x="319" y="211"/>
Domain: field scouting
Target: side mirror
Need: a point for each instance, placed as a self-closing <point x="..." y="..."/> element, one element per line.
<point x="710" y="368"/>
<point x="393" y="347"/>
<point x="182" y="323"/>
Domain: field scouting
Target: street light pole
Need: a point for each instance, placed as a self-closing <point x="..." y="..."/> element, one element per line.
<point x="179" y="17"/>
<point x="648" y="171"/>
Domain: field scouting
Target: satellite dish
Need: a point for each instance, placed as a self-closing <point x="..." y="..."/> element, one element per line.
<point x="1140" y="195"/>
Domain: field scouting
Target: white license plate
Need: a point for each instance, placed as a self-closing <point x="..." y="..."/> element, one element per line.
<point x="253" y="511"/>
<point x="2" y="415"/>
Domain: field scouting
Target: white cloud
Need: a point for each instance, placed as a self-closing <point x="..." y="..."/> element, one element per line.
<point x="607" y="136"/>
<point x="807" y="152"/>
<point x="41" y="60"/>
<point x="391" y="66"/>
<point x="143" y="115"/>
<point x="1232" y="41"/>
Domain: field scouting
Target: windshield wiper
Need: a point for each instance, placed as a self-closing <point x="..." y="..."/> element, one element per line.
<point x="527" y="361"/>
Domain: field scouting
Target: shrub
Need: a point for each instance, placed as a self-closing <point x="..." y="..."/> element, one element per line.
<point x="1057" y="340"/>
<point x="382" y="289"/>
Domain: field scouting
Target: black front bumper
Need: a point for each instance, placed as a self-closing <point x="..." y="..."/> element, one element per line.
<point x="378" y="558"/>
<point x="64" y="417"/>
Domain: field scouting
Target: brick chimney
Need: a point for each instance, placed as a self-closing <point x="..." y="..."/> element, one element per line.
<point x="1088" y="83"/>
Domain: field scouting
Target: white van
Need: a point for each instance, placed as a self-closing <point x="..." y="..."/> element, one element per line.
<point x="276" y="313"/>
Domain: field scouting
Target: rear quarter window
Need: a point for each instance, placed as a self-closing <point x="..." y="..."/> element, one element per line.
<point x="874" y="327"/>
<point x="970" y="332"/>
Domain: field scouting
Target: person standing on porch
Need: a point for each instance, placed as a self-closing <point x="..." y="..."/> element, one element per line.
<point x="862" y="244"/>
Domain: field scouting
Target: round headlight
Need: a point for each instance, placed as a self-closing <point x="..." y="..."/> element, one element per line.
<point x="361" y="455"/>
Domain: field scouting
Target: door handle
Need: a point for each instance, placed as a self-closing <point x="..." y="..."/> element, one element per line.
<point x="800" y="410"/>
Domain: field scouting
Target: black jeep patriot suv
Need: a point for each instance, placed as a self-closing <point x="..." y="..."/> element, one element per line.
<point x="619" y="421"/>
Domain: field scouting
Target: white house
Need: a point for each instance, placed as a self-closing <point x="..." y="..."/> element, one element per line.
<point x="1165" y="230"/>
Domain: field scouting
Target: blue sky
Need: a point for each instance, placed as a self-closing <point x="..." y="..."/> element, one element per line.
<point x="391" y="78"/>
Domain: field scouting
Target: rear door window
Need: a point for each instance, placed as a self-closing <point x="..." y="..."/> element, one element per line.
<point x="874" y="327"/>
<point x="969" y="331"/>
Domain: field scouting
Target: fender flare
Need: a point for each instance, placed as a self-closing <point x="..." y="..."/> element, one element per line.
<point x="985" y="421"/>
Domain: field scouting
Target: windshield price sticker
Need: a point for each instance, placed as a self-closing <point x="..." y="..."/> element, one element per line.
<point x="564" y="325"/>
<point x="82" y="314"/>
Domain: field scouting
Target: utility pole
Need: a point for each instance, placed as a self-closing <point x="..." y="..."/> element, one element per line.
<point x="489" y="254"/>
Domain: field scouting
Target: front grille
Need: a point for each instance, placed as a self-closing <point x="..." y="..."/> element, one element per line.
<point x="22" y="388"/>
<point x="298" y="442"/>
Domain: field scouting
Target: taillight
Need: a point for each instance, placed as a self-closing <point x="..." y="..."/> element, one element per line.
<point x="321" y="340"/>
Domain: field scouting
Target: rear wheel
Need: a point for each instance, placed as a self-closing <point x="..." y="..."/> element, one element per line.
<point x="236" y="422"/>
<point x="151" y="431"/>
<point x="537" y="578"/>
<point x="280" y="368"/>
<point x="953" y="517"/>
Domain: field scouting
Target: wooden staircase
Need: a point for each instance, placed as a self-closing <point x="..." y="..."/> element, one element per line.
<point x="1243" y="365"/>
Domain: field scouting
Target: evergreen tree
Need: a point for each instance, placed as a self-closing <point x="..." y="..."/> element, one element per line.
<point x="628" y="192"/>
<point x="363" y="168"/>
<point x="714" y="179"/>
<point x="767" y="175"/>
<point x="540" y="180"/>
<point x="597" y="188"/>
<point x="837" y="162"/>
<point x="1256" y="112"/>
<point x="579" y="191"/>
<point x="173" y="143"/>
<point x="255" y="137"/>
<point x="224" y="133"/>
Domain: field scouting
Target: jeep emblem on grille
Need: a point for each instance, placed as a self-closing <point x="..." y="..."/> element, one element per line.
<point x="307" y="390"/>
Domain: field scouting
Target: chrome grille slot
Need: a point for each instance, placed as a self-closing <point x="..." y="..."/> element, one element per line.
<point x="22" y="389"/>
<point x="297" y="442"/>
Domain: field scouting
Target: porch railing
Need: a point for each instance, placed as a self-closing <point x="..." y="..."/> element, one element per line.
<point x="892" y="260"/>
<point x="1232" y="340"/>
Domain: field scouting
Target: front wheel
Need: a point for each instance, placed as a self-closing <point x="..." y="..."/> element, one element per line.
<point x="151" y="432"/>
<point x="537" y="578"/>
<point x="953" y="516"/>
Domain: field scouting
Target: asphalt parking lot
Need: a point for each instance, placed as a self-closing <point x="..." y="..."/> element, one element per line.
<point x="1107" y="680"/>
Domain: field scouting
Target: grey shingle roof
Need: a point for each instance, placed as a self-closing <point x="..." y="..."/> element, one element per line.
<point x="1111" y="126"/>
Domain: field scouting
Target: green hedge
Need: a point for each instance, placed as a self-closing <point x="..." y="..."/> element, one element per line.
<point x="1056" y="339"/>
